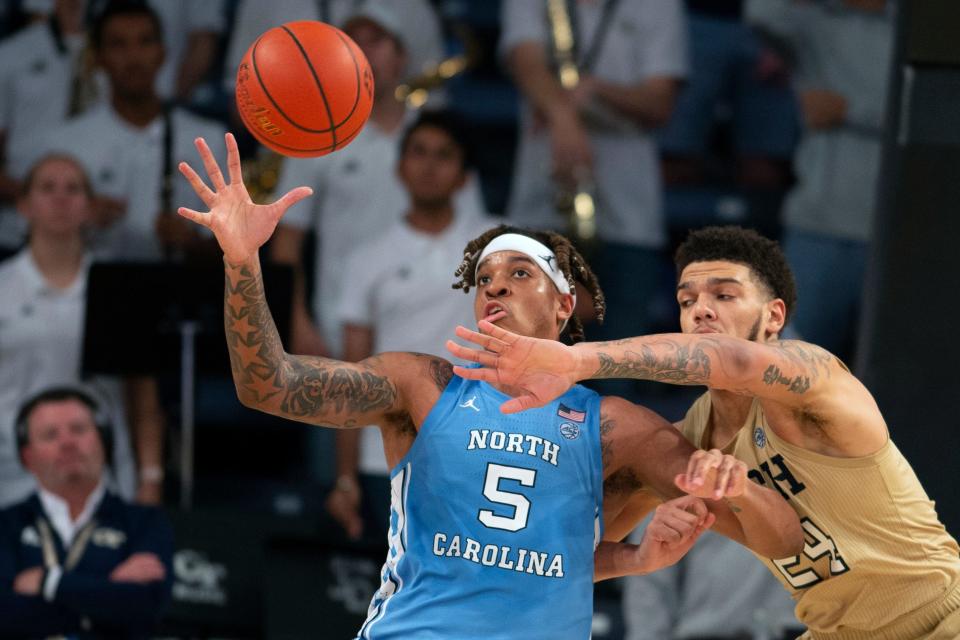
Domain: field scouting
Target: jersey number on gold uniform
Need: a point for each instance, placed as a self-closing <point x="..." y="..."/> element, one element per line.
<point x="816" y="545"/>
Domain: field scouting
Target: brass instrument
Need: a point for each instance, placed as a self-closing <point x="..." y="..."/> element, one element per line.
<point x="416" y="91"/>
<point x="577" y="205"/>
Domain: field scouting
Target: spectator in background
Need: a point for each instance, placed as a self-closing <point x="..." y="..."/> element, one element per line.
<point x="46" y="75"/>
<point x="124" y="144"/>
<point x="357" y="192"/>
<point x="632" y="59"/>
<point x="43" y="289"/>
<point x="191" y="38"/>
<point x="729" y="79"/>
<point x="75" y="559"/>
<point x="253" y="17"/>
<point x="842" y="53"/>
<point x="718" y="591"/>
<point x="397" y="296"/>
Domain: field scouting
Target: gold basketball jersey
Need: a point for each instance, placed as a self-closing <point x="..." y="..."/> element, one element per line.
<point x="875" y="552"/>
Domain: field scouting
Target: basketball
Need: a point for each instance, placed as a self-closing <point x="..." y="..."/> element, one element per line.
<point x="304" y="89"/>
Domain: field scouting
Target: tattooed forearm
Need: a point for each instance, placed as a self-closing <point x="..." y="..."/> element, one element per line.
<point x="662" y="361"/>
<point x="312" y="389"/>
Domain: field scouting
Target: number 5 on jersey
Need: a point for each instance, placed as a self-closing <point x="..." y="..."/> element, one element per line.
<point x="518" y="501"/>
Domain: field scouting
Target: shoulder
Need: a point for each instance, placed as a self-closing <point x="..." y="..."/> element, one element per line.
<point x="26" y="40"/>
<point x="14" y="515"/>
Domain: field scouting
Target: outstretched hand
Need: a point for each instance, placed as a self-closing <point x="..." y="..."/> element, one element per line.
<point x="240" y="226"/>
<point x="537" y="370"/>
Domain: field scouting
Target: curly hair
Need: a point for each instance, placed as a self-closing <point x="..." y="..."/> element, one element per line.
<point x="573" y="266"/>
<point x="763" y="256"/>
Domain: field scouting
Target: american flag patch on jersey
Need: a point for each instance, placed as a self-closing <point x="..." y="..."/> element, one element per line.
<point x="571" y="414"/>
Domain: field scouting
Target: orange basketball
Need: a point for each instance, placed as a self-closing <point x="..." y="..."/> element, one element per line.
<point x="304" y="89"/>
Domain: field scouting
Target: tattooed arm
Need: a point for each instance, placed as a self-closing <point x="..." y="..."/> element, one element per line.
<point x="647" y="460"/>
<point x="306" y="388"/>
<point x="793" y="373"/>
<point x="391" y="388"/>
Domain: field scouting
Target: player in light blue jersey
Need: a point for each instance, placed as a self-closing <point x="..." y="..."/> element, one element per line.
<point x="495" y="518"/>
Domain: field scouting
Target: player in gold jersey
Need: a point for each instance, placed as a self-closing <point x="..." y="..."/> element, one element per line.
<point x="877" y="562"/>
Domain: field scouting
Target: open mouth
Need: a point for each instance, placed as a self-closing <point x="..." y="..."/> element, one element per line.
<point x="494" y="311"/>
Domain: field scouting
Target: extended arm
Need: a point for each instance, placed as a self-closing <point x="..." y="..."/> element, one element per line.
<point x="306" y="388"/>
<point x="644" y="452"/>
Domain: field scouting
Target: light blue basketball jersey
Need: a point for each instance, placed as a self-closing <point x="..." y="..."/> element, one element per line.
<point x="494" y="521"/>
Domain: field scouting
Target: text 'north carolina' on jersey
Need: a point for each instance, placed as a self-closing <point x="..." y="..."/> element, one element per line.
<point x="494" y="521"/>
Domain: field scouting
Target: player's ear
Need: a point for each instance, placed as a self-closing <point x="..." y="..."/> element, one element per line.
<point x="776" y="312"/>
<point x="567" y="304"/>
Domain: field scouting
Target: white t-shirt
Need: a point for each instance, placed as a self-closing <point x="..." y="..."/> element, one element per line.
<point x="399" y="285"/>
<point x="645" y="38"/>
<point x="423" y="36"/>
<point x="35" y="87"/>
<point x="356" y="196"/>
<point x="180" y="19"/>
<point x="41" y="340"/>
<point x="126" y="162"/>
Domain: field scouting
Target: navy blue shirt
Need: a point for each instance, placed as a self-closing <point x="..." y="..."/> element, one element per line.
<point x="86" y="604"/>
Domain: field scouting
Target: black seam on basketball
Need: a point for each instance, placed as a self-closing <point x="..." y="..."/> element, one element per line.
<point x="256" y="71"/>
<point x="273" y="143"/>
<point x="358" y="84"/>
<point x="323" y="94"/>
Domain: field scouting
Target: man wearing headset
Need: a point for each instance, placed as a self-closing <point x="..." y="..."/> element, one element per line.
<point x="74" y="558"/>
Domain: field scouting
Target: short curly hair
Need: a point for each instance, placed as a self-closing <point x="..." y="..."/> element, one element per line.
<point x="763" y="256"/>
<point x="572" y="265"/>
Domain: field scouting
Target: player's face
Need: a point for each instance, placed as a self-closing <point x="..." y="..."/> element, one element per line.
<point x="431" y="167"/>
<point x="64" y="447"/>
<point x="514" y="293"/>
<point x="131" y="53"/>
<point x="724" y="297"/>
<point x="386" y="57"/>
<point x="58" y="201"/>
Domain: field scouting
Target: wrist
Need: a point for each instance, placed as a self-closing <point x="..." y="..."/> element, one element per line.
<point x="347" y="483"/>
<point x="151" y="474"/>
<point x="581" y="362"/>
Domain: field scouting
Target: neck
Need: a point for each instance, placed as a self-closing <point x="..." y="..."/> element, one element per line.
<point x="431" y="219"/>
<point x="139" y="110"/>
<point x="58" y="259"/>
<point x="728" y="411"/>
<point x="76" y="494"/>
<point x="69" y="17"/>
<point x="387" y="112"/>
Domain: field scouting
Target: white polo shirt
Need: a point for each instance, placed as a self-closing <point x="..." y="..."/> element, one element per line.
<point x="41" y="341"/>
<point x="357" y="195"/>
<point x="423" y="36"/>
<point x="399" y="285"/>
<point x="126" y="162"/>
<point x="35" y="86"/>
<point x="646" y="38"/>
<point x="180" y="19"/>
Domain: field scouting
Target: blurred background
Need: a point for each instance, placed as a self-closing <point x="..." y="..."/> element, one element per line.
<point x="830" y="125"/>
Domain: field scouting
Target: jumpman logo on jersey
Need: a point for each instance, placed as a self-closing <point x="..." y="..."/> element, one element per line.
<point x="549" y="260"/>
<point x="469" y="404"/>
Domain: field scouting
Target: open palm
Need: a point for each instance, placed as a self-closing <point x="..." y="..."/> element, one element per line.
<point x="540" y="370"/>
<point x="240" y="226"/>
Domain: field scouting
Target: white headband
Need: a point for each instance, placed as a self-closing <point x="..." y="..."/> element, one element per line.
<point x="533" y="249"/>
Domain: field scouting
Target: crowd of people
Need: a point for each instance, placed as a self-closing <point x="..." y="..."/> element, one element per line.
<point x="671" y="101"/>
